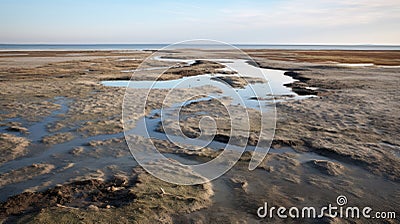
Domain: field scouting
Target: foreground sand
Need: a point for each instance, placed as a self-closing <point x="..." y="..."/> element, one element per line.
<point x="344" y="141"/>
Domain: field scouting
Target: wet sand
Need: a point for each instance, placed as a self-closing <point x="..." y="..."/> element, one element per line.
<point x="62" y="143"/>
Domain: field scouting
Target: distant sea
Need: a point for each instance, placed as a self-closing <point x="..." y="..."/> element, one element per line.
<point x="4" y="47"/>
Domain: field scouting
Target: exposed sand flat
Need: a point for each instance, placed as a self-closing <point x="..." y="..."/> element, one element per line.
<point x="12" y="147"/>
<point x="25" y="173"/>
<point x="377" y="57"/>
<point x="31" y="59"/>
<point x="57" y="138"/>
<point x="349" y="121"/>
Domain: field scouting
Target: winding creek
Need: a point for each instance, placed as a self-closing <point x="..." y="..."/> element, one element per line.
<point x="254" y="95"/>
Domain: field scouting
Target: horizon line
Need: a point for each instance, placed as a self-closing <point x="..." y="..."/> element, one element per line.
<point x="271" y="44"/>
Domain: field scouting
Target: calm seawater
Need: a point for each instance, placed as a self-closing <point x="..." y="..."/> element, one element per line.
<point x="159" y="46"/>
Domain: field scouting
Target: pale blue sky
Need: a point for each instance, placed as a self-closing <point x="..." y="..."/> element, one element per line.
<point x="237" y="21"/>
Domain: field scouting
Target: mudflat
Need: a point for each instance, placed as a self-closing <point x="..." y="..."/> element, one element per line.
<point x="64" y="157"/>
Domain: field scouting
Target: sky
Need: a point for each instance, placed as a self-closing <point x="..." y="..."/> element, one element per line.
<point x="235" y="21"/>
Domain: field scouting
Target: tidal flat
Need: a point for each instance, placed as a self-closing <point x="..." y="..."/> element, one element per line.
<point x="64" y="157"/>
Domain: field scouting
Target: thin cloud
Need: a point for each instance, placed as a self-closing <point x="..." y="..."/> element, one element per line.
<point x="316" y="13"/>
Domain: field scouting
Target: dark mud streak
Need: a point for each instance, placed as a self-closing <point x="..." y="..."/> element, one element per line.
<point x="256" y="64"/>
<point x="80" y="194"/>
<point x="300" y="86"/>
